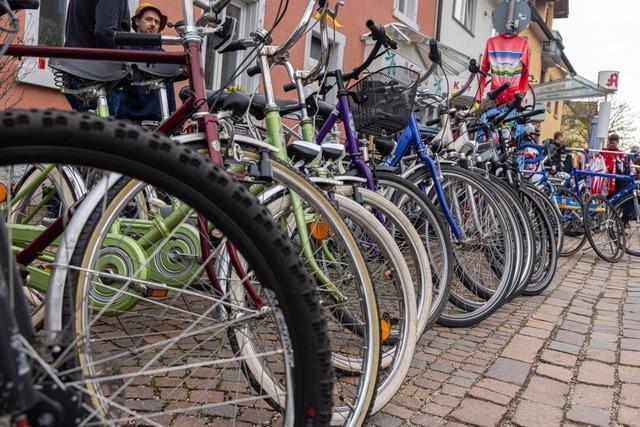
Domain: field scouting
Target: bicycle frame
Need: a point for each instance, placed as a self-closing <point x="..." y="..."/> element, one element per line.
<point x="411" y="136"/>
<point x="195" y="107"/>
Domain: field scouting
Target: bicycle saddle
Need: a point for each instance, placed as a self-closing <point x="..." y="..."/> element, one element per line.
<point x="384" y="145"/>
<point x="318" y="108"/>
<point x="104" y="72"/>
<point x="168" y="72"/>
<point x="238" y="103"/>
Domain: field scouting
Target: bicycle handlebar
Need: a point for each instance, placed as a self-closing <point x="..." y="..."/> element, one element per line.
<point x="495" y="93"/>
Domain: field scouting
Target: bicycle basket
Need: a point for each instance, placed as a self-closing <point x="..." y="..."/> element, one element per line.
<point x="381" y="103"/>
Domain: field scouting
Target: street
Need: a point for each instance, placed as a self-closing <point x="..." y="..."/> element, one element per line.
<point x="570" y="356"/>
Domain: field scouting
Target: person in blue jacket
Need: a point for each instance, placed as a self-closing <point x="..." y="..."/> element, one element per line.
<point x="139" y="103"/>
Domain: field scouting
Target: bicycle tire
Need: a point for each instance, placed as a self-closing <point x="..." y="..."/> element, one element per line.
<point x="73" y="138"/>
<point x="436" y="237"/>
<point x="600" y="215"/>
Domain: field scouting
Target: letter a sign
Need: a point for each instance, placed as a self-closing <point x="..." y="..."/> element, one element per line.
<point x="609" y="80"/>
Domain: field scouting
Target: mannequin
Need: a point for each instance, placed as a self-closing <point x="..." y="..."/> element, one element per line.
<point x="506" y="56"/>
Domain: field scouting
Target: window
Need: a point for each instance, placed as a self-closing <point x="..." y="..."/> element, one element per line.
<point x="407" y="12"/>
<point x="219" y="69"/>
<point x="464" y="11"/>
<point x="45" y="26"/>
<point x="313" y="51"/>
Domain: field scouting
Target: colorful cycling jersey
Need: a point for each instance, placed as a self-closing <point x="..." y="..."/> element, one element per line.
<point x="507" y="59"/>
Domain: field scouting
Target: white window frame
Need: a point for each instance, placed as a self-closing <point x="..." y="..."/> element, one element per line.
<point x="29" y="71"/>
<point x="252" y="18"/>
<point x="473" y="10"/>
<point x="409" y="16"/>
<point x="336" y="59"/>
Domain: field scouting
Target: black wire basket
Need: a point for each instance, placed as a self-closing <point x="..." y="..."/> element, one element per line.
<point x="381" y="103"/>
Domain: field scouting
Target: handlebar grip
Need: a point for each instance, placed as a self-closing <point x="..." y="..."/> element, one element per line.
<point x="432" y="122"/>
<point x="235" y="46"/>
<point x="289" y="87"/>
<point x="379" y="34"/>
<point x="473" y="66"/>
<point x="525" y="116"/>
<point x="124" y="38"/>
<point x="517" y="100"/>
<point x="220" y="4"/>
<point x="253" y="71"/>
<point x="434" y="52"/>
<point x="494" y="93"/>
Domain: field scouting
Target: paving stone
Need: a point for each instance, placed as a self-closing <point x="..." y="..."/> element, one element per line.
<point x="630" y="395"/>
<point x="426" y="420"/>
<point x="601" y="355"/>
<point x="580" y="328"/>
<point x="589" y="415"/>
<point x="596" y="373"/>
<point x="397" y="411"/>
<point x="569" y="337"/>
<point x="512" y="371"/>
<point x="383" y="419"/>
<point x="590" y="395"/>
<point x="477" y="412"/>
<point x="558" y="358"/>
<point x="629" y="416"/>
<point x="629" y="374"/>
<point x="630" y="344"/>
<point x="535" y="332"/>
<point x="630" y="357"/>
<point x="454" y="390"/>
<point x="523" y="348"/>
<point x="536" y="414"/>
<point x="555" y="372"/>
<point x="564" y="348"/>
<point x="544" y="390"/>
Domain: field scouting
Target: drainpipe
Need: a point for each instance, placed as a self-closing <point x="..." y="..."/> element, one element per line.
<point x="438" y="19"/>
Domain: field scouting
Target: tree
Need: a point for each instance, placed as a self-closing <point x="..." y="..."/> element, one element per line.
<point x="577" y="117"/>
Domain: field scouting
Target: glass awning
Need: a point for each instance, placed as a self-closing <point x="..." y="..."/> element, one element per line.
<point x="413" y="51"/>
<point x="569" y="88"/>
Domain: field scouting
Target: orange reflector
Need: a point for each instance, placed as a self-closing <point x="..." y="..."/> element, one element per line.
<point x="159" y="293"/>
<point x="319" y="230"/>
<point x="385" y="329"/>
<point x="3" y="192"/>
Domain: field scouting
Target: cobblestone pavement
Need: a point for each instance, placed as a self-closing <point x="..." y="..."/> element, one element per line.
<point x="570" y="356"/>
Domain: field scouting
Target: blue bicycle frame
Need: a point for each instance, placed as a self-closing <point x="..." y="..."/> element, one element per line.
<point x="411" y="136"/>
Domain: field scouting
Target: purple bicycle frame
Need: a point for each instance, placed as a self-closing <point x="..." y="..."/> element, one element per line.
<point x="343" y="111"/>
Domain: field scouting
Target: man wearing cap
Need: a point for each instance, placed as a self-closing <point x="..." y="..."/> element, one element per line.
<point x="138" y="103"/>
<point x="91" y="24"/>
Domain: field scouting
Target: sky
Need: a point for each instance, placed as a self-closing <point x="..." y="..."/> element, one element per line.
<point x="605" y="35"/>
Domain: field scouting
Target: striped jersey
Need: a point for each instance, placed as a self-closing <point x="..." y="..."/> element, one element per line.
<point x="507" y="59"/>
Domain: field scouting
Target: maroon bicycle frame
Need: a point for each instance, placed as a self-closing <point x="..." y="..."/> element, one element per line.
<point x="195" y="106"/>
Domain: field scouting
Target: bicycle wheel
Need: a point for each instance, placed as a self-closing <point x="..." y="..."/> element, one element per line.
<point x="570" y="208"/>
<point x="552" y="211"/>
<point x="603" y="228"/>
<point x="485" y="245"/>
<point x="546" y="244"/>
<point x="42" y="194"/>
<point x="105" y="361"/>
<point x="428" y="222"/>
<point x="629" y="207"/>
<point x="342" y="280"/>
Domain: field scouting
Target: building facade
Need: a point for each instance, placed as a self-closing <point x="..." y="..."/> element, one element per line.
<point x="33" y="84"/>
